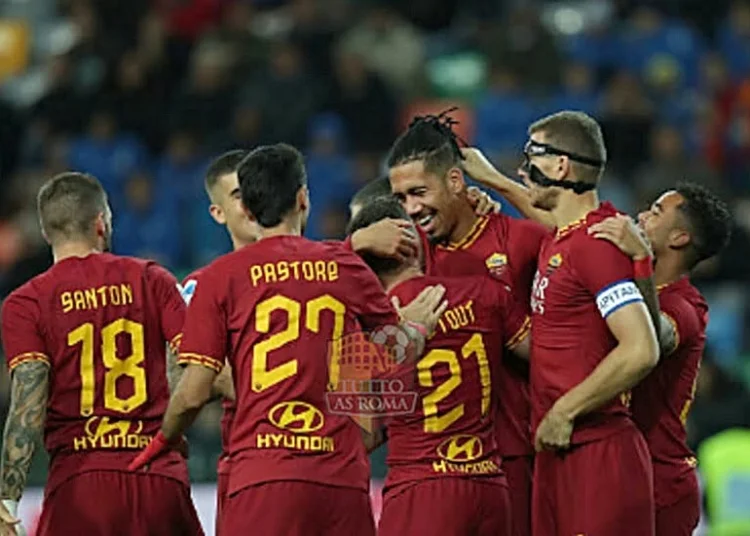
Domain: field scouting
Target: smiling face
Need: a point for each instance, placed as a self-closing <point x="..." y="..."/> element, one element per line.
<point x="663" y="223"/>
<point x="227" y="209"/>
<point x="428" y="198"/>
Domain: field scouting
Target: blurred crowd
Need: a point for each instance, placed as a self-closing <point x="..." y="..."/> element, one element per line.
<point x="143" y="93"/>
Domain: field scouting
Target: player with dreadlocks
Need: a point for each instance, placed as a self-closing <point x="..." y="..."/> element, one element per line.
<point x="425" y="171"/>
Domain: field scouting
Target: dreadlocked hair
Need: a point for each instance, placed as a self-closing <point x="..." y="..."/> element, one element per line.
<point x="429" y="138"/>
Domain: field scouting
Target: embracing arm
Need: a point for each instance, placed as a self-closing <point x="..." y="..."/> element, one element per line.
<point x="628" y="363"/>
<point x="480" y="169"/>
<point x="23" y="428"/>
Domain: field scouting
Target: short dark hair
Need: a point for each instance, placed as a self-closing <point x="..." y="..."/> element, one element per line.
<point x="429" y="138"/>
<point x="223" y="164"/>
<point x="378" y="209"/>
<point x="270" y="177"/>
<point x="376" y="188"/>
<point x="69" y="203"/>
<point x="578" y="133"/>
<point x="708" y="218"/>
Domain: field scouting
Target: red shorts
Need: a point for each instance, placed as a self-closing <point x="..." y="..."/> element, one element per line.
<point x="519" y="470"/>
<point x="680" y="518"/>
<point x="222" y="490"/>
<point x="448" y="507"/>
<point x="114" y="503"/>
<point x="602" y="487"/>
<point x="294" y="508"/>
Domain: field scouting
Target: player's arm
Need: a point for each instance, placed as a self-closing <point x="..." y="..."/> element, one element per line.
<point x="387" y="238"/>
<point x="201" y="353"/>
<point x="24" y="425"/>
<point x="29" y="368"/>
<point x="623" y="232"/>
<point x="621" y="305"/>
<point x="374" y="438"/>
<point x="480" y="169"/>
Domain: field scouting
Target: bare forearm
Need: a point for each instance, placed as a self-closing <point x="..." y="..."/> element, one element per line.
<point x="174" y="371"/>
<point x="373" y="438"/>
<point x="223" y="384"/>
<point x="180" y="414"/>
<point x="517" y="195"/>
<point x="23" y="427"/>
<point x="650" y="296"/>
<point x="617" y="373"/>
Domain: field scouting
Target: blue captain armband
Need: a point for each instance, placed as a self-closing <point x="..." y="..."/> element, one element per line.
<point x="617" y="295"/>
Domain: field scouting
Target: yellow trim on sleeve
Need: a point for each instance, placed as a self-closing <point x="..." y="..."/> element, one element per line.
<point x="26" y="357"/>
<point x="520" y="335"/>
<point x="198" y="359"/>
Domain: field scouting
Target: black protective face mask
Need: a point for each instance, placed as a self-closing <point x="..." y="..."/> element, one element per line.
<point x="536" y="176"/>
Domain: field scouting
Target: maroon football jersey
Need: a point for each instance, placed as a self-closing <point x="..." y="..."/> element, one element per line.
<point x="102" y="324"/>
<point x="662" y="401"/>
<point x="188" y="290"/>
<point x="580" y="281"/>
<point x="452" y="431"/>
<point x="507" y="249"/>
<point x="273" y="309"/>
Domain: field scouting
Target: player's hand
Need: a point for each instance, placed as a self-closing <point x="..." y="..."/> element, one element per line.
<point x="476" y="165"/>
<point x="624" y="233"/>
<point x="387" y="238"/>
<point x="10" y="525"/>
<point x="425" y="309"/>
<point x="554" y="432"/>
<point x="481" y="201"/>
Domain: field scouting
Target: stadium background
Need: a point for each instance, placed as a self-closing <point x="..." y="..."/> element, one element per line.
<point x="142" y="93"/>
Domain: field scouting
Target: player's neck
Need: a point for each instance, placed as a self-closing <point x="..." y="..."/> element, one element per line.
<point x="237" y="243"/>
<point x="391" y="280"/>
<point x="573" y="207"/>
<point x="668" y="268"/>
<point x="67" y="250"/>
<point x="465" y="220"/>
<point x="287" y="227"/>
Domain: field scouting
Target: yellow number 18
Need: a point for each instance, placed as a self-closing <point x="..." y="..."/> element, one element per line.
<point x="116" y="367"/>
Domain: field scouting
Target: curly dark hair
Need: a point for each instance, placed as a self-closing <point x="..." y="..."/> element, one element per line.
<point x="708" y="219"/>
<point x="429" y="138"/>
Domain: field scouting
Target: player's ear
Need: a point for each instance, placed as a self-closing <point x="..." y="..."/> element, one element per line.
<point x="563" y="167"/>
<point x="303" y="199"/>
<point x="217" y="213"/>
<point x="679" y="239"/>
<point x="100" y="225"/>
<point x="455" y="180"/>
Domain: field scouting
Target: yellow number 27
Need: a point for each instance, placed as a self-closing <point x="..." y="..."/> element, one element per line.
<point x="116" y="367"/>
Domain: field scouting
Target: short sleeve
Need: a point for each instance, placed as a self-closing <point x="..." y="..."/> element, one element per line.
<point x="22" y="340"/>
<point x="606" y="272"/>
<point x="527" y="238"/>
<point x="683" y="317"/>
<point x="171" y="305"/>
<point x="366" y="297"/>
<point x="513" y="312"/>
<point x="205" y="340"/>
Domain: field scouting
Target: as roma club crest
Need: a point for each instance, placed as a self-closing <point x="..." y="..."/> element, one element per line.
<point x="496" y="264"/>
<point x="555" y="261"/>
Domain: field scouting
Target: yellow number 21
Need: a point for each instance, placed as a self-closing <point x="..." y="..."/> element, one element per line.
<point x="116" y="367"/>
<point x="434" y="422"/>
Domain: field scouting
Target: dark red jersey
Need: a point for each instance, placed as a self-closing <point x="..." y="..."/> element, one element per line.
<point x="102" y="324"/>
<point x="452" y="431"/>
<point x="505" y="249"/>
<point x="273" y="309"/>
<point x="187" y="290"/>
<point x="580" y="281"/>
<point x="662" y="401"/>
